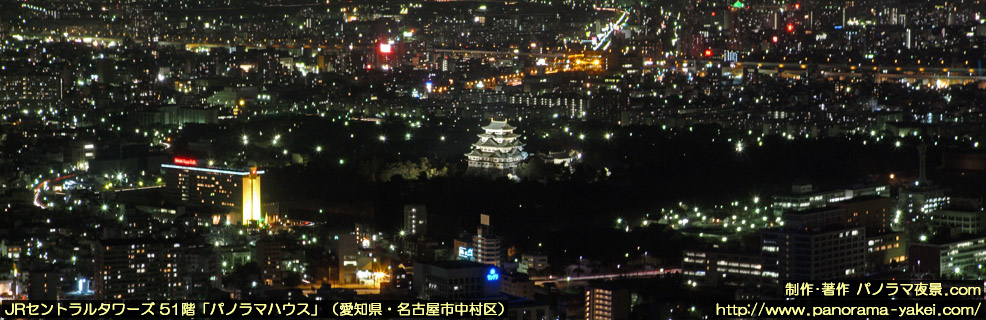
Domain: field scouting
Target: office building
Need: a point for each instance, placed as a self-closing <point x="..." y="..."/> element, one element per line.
<point x="871" y="212"/>
<point x="722" y="268"/>
<point x="947" y="256"/>
<point x="921" y="200"/>
<point x="814" y="245"/>
<point x="964" y="221"/>
<point x="884" y="249"/>
<point x="458" y="279"/>
<point x="803" y="197"/>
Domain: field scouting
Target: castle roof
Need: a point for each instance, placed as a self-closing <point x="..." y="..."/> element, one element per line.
<point x="499" y="125"/>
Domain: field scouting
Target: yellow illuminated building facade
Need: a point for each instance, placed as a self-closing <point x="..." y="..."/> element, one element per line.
<point x="251" y="198"/>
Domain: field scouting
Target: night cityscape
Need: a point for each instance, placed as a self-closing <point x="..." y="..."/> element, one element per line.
<point x="578" y="159"/>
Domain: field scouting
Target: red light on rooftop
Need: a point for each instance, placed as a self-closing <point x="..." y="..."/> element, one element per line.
<point x="790" y="27"/>
<point x="185" y="161"/>
<point x="797" y="6"/>
<point x="713" y="13"/>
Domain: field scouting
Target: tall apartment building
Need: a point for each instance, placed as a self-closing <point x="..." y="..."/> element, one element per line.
<point x="487" y="246"/>
<point x="138" y="269"/>
<point x="606" y="302"/>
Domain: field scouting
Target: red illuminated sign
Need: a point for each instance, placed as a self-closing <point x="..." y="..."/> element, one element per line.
<point x="385" y="48"/>
<point x="185" y="161"/>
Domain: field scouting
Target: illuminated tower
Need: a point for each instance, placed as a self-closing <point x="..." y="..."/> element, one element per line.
<point x="251" y="198"/>
<point x="498" y="150"/>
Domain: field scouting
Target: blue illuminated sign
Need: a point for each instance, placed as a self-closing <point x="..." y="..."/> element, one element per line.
<point x="493" y="276"/>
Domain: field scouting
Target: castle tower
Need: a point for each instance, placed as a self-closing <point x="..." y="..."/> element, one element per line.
<point x="498" y="150"/>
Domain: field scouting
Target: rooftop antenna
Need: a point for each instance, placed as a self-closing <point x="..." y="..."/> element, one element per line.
<point x="922" y="158"/>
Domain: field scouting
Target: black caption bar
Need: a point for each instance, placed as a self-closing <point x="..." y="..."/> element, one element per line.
<point x="485" y="309"/>
<point x="876" y="289"/>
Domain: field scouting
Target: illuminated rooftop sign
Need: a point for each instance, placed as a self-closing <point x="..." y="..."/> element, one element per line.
<point x="185" y="161"/>
<point x="465" y="253"/>
<point x="492" y="276"/>
<point x="211" y="170"/>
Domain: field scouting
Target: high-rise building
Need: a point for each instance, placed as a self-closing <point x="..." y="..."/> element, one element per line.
<point x="415" y="220"/>
<point x="457" y="279"/>
<point x="189" y="181"/>
<point x="43" y="284"/>
<point x="138" y="269"/>
<point x="498" y="150"/>
<point x="606" y="302"/>
<point x="269" y="257"/>
<point x="486" y="245"/>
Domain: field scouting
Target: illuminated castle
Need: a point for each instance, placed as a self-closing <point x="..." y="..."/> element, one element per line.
<point x="498" y="150"/>
<point x="207" y="186"/>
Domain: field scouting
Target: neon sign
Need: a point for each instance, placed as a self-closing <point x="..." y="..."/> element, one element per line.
<point x="465" y="253"/>
<point x="493" y="276"/>
<point x="186" y="161"/>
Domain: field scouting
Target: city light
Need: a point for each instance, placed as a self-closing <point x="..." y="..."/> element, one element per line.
<point x="418" y="149"/>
